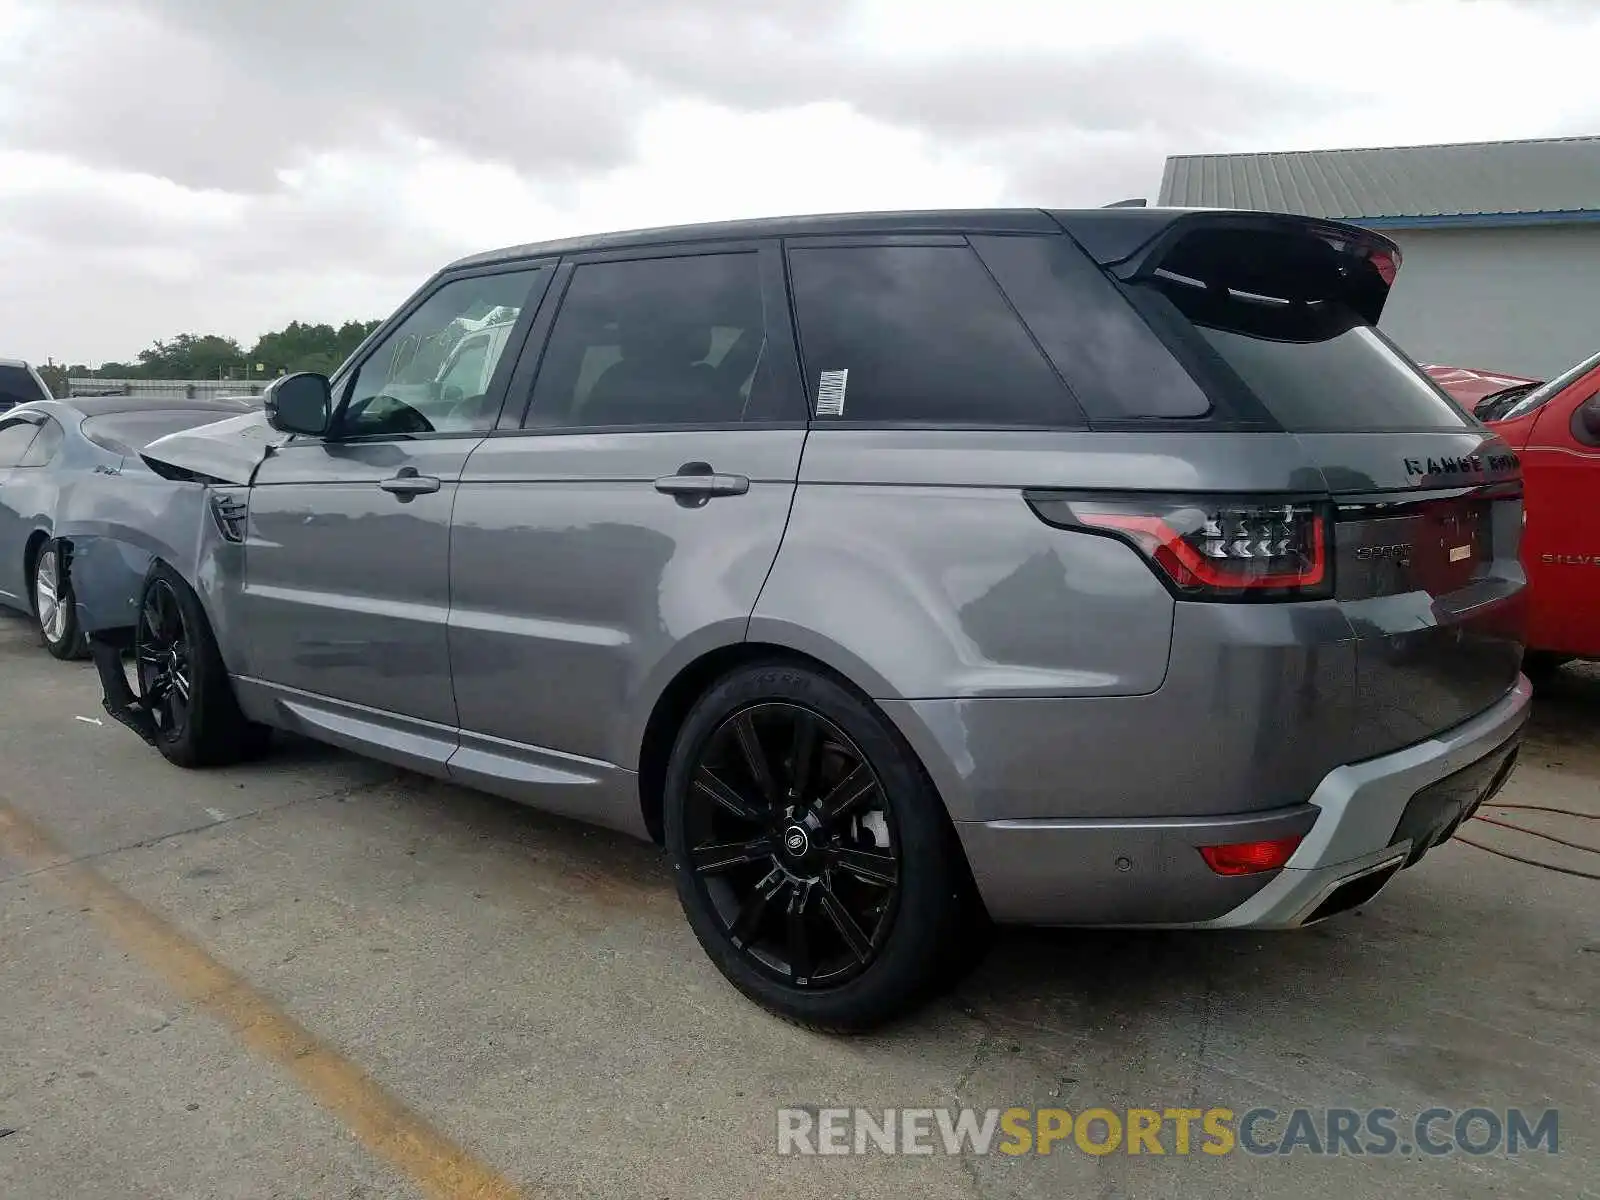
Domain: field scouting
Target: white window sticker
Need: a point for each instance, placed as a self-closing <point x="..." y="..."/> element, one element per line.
<point x="830" y="393"/>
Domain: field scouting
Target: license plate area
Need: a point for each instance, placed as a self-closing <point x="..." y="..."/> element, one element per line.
<point x="1454" y="538"/>
<point x="1438" y="547"/>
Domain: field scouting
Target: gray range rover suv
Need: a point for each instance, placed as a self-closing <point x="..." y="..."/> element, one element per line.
<point x="895" y="571"/>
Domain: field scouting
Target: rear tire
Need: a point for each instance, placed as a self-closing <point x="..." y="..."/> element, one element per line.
<point x="54" y="607"/>
<point x="182" y="677"/>
<point x="819" y="869"/>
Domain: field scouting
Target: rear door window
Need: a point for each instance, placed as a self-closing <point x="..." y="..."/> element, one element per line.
<point x="918" y="335"/>
<point x="661" y="341"/>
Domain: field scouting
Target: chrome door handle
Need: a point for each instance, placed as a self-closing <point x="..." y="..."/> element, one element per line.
<point x="408" y="484"/>
<point x="695" y="483"/>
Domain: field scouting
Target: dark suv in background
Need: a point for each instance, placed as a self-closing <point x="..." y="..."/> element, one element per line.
<point x="20" y="384"/>
<point x="1101" y="567"/>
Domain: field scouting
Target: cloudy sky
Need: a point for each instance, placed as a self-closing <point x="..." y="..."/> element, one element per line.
<point x="225" y="166"/>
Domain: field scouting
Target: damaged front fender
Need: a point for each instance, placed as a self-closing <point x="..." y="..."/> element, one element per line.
<point x="188" y="512"/>
<point x="117" y="525"/>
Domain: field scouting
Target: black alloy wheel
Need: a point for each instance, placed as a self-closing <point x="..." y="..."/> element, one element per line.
<point x="815" y="861"/>
<point x="794" y="843"/>
<point x="164" y="654"/>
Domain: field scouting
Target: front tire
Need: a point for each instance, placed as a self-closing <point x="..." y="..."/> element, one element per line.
<point x="813" y="858"/>
<point x="183" y="681"/>
<point x="54" y="606"/>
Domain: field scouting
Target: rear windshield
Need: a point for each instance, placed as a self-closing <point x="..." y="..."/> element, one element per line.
<point x="1290" y="318"/>
<point x="1351" y="381"/>
<point x="1315" y="367"/>
<point x="130" y="432"/>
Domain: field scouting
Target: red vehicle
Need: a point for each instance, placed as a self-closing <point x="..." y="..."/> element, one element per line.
<point x="1468" y="385"/>
<point x="1555" y="428"/>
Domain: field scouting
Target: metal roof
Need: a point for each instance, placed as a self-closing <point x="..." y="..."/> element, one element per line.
<point x="1469" y="183"/>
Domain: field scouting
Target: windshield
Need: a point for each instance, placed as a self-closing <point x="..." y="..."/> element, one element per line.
<point x="1490" y="407"/>
<point x="1542" y="394"/>
<point x="130" y="432"/>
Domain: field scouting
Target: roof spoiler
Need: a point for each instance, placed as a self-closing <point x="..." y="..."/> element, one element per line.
<point x="1113" y="234"/>
<point x="1241" y="249"/>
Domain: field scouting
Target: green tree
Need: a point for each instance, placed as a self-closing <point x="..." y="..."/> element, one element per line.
<point x="300" y="346"/>
<point x="193" y="356"/>
<point x="55" y="378"/>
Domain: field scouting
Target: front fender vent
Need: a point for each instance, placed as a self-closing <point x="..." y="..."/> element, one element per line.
<point x="230" y="511"/>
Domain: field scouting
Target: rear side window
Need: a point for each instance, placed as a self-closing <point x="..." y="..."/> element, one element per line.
<point x="46" y="445"/>
<point x="918" y="335"/>
<point x="15" y="438"/>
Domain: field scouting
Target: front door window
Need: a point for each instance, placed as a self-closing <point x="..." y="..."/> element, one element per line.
<point x="432" y="373"/>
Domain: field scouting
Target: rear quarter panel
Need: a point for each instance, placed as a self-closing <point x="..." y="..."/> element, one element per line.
<point x="912" y="560"/>
<point x="913" y="566"/>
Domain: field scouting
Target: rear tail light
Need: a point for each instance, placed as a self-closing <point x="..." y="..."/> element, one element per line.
<point x="1250" y="858"/>
<point x="1212" y="548"/>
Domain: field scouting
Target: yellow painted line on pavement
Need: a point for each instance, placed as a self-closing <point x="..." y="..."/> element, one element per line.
<point x="380" y="1122"/>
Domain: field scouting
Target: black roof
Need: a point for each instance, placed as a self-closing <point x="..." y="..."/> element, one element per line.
<point x="1108" y="234"/>
<point x="976" y="220"/>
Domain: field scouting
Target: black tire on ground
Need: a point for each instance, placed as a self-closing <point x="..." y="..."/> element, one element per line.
<point x="923" y="927"/>
<point x="205" y="728"/>
<point x="55" y="610"/>
<point x="1540" y="665"/>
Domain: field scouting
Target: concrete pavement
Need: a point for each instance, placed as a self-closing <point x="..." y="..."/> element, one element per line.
<point x="526" y="992"/>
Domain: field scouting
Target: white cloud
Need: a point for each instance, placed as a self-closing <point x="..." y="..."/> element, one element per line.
<point x="173" y="165"/>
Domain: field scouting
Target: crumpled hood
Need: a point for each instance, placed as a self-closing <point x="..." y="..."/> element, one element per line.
<point x="226" y="451"/>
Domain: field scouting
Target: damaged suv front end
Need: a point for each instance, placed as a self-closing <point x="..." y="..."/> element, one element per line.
<point x="188" y="514"/>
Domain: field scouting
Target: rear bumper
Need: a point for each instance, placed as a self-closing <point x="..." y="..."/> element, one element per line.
<point x="1361" y="824"/>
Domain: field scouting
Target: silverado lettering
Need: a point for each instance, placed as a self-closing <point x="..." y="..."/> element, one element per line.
<point x="1572" y="560"/>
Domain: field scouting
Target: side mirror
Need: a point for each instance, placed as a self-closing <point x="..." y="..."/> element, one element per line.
<point x="1586" y="422"/>
<point x="300" y="403"/>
